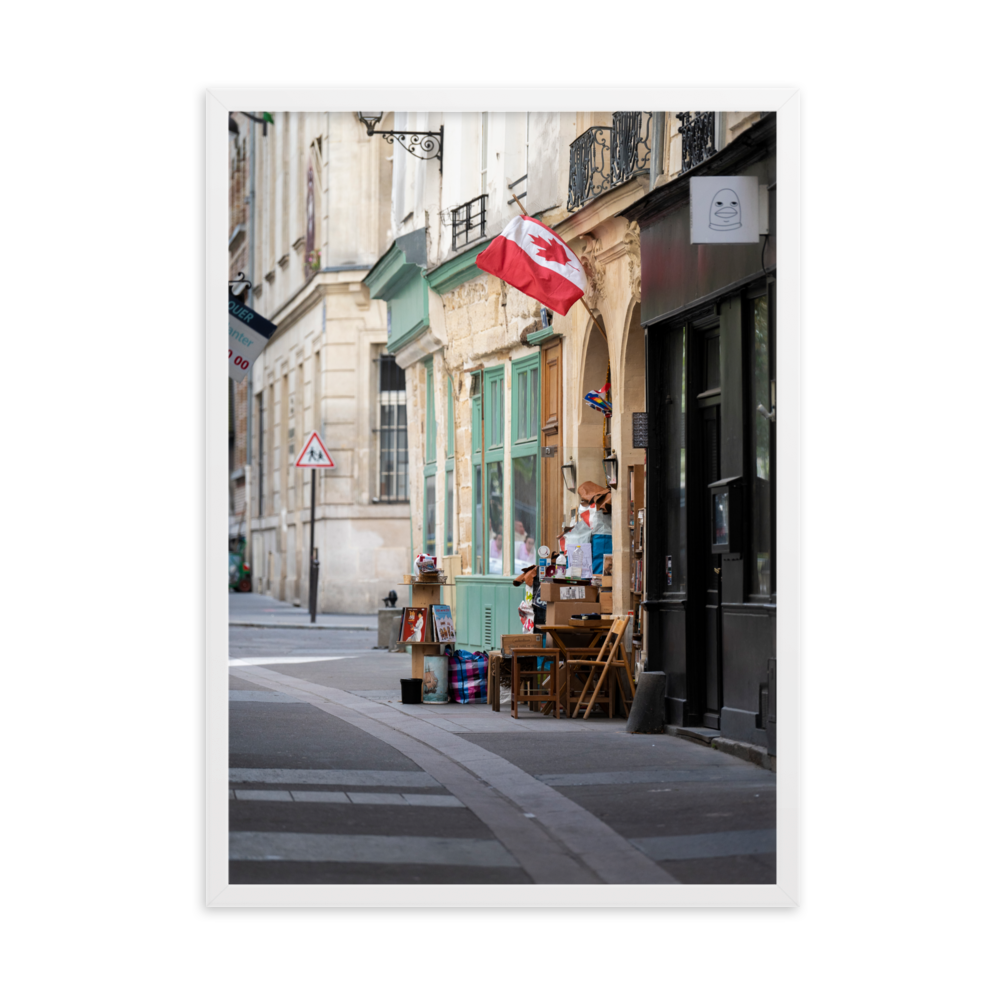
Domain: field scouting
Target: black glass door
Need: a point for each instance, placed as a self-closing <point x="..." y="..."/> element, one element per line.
<point x="708" y="599"/>
<point x="711" y="598"/>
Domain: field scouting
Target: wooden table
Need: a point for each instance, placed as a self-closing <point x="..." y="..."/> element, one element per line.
<point x="599" y="627"/>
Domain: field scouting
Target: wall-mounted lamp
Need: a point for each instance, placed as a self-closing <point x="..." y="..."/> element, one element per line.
<point x="422" y="145"/>
<point x="611" y="470"/>
<point x="569" y="476"/>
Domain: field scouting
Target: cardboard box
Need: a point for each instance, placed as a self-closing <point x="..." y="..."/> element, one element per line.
<point x="607" y="580"/>
<point x="567" y="592"/>
<point x="606" y="604"/>
<point x="559" y="613"/>
<point x="519" y="640"/>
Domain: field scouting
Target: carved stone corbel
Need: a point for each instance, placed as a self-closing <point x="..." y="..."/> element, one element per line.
<point x="593" y="269"/>
<point x="630" y="239"/>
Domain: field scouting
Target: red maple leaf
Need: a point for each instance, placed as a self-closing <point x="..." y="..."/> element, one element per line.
<point x="550" y="250"/>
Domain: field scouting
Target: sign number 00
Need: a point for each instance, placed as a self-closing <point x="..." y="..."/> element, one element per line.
<point x="240" y="362"/>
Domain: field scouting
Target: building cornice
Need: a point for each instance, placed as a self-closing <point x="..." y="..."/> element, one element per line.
<point x="608" y="205"/>
<point x="310" y="294"/>
<point x="401" y="263"/>
<point x="540" y="336"/>
<point x="389" y="273"/>
<point x="457" y="271"/>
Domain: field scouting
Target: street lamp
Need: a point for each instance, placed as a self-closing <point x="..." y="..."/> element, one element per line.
<point x="263" y="120"/>
<point x="611" y="469"/>
<point x="422" y="145"/>
<point x="569" y="476"/>
<point x="370" y="119"/>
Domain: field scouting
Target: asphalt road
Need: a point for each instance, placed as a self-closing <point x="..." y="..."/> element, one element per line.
<point x="334" y="780"/>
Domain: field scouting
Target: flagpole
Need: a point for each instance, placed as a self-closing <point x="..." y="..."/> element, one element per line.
<point x="597" y="322"/>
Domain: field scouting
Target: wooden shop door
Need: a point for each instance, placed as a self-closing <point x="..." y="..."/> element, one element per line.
<point x="551" y="445"/>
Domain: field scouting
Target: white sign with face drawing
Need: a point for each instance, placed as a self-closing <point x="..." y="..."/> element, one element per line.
<point x="726" y="210"/>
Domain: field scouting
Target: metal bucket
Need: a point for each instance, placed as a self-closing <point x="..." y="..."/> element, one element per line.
<point x="410" y="688"/>
<point x="435" y="679"/>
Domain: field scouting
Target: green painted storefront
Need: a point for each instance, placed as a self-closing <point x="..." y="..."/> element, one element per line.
<point x="485" y="606"/>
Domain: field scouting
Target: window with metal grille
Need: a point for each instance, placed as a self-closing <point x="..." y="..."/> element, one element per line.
<point x="698" y="139"/>
<point x="393" y="459"/>
<point x="468" y="222"/>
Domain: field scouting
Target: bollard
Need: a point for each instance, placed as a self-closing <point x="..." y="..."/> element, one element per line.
<point x="649" y="710"/>
<point x="313" y="588"/>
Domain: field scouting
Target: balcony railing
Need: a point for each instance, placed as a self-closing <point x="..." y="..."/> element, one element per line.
<point x="697" y="131"/>
<point x="468" y="222"/>
<point x="602" y="157"/>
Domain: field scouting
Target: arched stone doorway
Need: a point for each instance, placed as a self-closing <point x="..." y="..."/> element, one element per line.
<point x="590" y="423"/>
<point x="630" y="398"/>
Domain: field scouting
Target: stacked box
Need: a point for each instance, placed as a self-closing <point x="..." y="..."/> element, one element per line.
<point x="560" y="612"/>
<point x="605" y="596"/>
<point x="552" y="592"/>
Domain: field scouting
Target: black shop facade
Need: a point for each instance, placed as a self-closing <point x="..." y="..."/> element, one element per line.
<point x="711" y="566"/>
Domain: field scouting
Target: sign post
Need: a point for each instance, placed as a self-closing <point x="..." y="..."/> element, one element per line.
<point x="314" y="456"/>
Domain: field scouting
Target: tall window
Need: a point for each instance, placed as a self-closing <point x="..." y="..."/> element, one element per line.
<point x="394" y="483"/>
<point x="488" y="557"/>
<point x="525" y="458"/>
<point x="483" y="142"/>
<point x="261" y="445"/>
<point x="449" y="477"/>
<point x="430" y="465"/>
<point x="527" y="146"/>
<point x="494" y="467"/>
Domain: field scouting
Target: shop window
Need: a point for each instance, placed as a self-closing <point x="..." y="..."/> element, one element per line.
<point x="394" y="485"/>
<point x="490" y="559"/>
<point x="449" y="476"/>
<point x="525" y="461"/>
<point x="762" y="422"/>
<point x="430" y="465"/>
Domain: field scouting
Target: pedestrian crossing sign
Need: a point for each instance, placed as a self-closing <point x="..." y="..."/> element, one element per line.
<point x="314" y="454"/>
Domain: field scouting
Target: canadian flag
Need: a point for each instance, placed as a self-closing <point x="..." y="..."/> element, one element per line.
<point x="535" y="261"/>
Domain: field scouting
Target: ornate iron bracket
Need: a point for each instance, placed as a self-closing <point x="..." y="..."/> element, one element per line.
<point x="239" y="284"/>
<point x="422" y="145"/>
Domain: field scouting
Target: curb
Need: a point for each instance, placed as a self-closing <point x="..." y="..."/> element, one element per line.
<point x="745" y="751"/>
<point x="342" y="628"/>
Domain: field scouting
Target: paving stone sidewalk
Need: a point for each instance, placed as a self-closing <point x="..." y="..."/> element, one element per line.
<point x="259" y="611"/>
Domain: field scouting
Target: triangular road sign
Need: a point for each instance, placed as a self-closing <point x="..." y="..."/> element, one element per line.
<point x="314" y="455"/>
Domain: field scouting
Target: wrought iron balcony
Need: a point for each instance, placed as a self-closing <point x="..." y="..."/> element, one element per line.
<point x="697" y="131"/>
<point x="602" y="157"/>
<point x="468" y="222"/>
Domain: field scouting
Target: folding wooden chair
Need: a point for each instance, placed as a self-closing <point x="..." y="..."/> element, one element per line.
<point x="609" y="662"/>
<point x="536" y="679"/>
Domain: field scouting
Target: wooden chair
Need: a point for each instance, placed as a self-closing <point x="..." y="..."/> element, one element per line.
<point x="604" y="669"/>
<point x="537" y="679"/>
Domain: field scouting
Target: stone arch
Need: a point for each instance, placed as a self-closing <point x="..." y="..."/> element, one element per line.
<point x="631" y="398"/>
<point x="589" y="423"/>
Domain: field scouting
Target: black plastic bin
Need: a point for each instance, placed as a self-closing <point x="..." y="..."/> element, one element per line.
<point x="413" y="690"/>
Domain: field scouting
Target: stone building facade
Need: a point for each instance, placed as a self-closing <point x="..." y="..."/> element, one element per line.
<point x="239" y="177"/>
<point x="319" y="213"/>
<point x="495" y="385"/>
